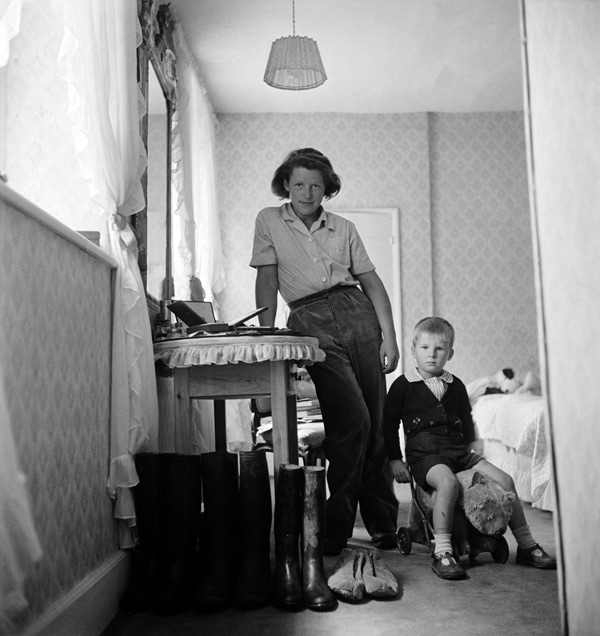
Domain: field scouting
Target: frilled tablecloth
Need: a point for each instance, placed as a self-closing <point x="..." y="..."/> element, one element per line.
<point x="189" y="352"/>
<point x="223" y="350"/>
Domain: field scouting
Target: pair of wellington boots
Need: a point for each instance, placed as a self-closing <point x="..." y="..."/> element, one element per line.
<point x="235" y="539"/>
<point x="167" y="505"/>
<point x="299" y="533"/>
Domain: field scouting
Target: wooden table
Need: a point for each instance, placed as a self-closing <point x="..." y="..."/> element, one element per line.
<point x="233" y="367"/>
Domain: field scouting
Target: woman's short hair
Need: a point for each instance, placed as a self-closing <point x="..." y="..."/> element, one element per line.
<point x="436" y="326"/>
<point x="310" y="159"/>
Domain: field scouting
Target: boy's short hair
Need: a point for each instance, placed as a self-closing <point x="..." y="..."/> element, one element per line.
<point x="310" y="159"/>
<point x="434" y="325"/>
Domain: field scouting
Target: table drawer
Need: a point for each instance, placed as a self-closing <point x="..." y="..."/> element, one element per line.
<point x="234" y="380"/>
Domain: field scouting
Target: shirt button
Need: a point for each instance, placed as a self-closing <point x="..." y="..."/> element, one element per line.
<point x="310" y="239"/>
<point x="323" y="279"/>
<point x="315" y="259"/>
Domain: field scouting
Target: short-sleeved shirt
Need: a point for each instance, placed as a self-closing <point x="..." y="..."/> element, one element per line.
<point x="308" y="261"/>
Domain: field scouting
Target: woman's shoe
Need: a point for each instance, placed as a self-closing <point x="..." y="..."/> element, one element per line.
<point x="385" y="540"/>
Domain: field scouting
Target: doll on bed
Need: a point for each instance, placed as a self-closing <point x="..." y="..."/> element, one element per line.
<point x="504" y="381"/>
<point x="434" y="408"/>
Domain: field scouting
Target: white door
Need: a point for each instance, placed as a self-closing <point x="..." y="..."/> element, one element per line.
<point x="379" y="229"/>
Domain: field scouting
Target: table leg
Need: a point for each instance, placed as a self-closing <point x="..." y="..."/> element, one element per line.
<point x="165" y="386"/>
<point x="183" y="429"/>
<point x="285" y="434"/>
<point x="292" y="428"/>
<point x="220" y="426"/>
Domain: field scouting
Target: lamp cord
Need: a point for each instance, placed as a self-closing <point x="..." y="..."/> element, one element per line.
<point x="294" y="17"/>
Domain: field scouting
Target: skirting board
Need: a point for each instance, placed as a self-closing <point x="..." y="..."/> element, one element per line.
<point x="90" y="606"/>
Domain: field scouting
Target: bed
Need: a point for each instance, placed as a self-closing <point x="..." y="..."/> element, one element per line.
<point x="512" y="435"/>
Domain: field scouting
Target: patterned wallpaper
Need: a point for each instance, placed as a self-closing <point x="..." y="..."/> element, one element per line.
<point x="56" y="336"/>
<point x="381" y="159"/>
<point x="460" y="184"/>
<point x="483" y="259"/>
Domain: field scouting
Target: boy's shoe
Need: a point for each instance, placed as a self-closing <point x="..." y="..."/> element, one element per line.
<point x="385" y="540"/>
<point x="536" y="557"/>
<point x="446" y="567"/>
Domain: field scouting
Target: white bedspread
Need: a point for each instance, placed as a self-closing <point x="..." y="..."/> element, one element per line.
<point x="517" y="420"/>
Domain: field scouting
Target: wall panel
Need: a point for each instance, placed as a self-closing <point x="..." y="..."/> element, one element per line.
<point x="563" y="54"/>
<point x="55" y="347"/>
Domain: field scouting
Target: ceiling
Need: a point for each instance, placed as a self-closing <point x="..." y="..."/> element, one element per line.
<point x="380" y="56"/>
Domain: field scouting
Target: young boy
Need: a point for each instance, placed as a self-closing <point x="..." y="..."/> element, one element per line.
<point x="434" y="408"/>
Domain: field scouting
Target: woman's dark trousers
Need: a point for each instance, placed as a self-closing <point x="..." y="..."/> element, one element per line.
<point x="350" y="386"/>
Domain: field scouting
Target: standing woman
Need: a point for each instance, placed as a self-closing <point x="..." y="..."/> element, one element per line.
<point x="317" y="261"/>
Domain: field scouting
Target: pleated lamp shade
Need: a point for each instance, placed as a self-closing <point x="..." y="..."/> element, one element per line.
<point x="295" y="64"/>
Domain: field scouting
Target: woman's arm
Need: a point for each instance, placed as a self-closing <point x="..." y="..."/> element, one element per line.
<point x="374" y="289"/>
<point x="265" y="293"/>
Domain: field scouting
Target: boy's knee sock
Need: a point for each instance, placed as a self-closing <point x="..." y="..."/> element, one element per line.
<point x="523" y="537"/>
<point x="443" y="543"/>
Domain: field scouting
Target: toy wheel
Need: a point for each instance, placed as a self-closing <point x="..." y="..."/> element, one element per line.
<point x="500" y="552"/>
<point x="404" y="540"/>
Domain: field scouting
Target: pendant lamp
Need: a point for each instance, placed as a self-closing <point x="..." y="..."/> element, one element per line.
<point x="294" y="62"/>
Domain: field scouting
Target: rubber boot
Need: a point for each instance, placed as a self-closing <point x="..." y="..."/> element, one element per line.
<point x="181" y="519"/>
<point x="317" y="595"/>
<point x="219" y="532"/>
<point x="148" y="495"/>
<point x="287" y="527"/>
<point x="253" y="585"/>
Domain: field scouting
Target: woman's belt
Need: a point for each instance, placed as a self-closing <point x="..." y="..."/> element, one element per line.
<point x="318" y="295"/>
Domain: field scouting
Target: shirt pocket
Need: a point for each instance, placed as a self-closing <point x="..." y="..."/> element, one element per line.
<point x="337" y="248"/>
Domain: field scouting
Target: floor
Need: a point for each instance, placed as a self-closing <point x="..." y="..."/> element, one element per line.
<point x="494" y="599"/>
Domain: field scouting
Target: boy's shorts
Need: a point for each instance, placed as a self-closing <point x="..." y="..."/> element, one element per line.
<point x="428" y="449"/>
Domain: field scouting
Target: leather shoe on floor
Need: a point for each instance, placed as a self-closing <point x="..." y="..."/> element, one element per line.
<point x="333" y="546"/>
<point x="385" y="540"/>
<point x="446" y="567"/>
<point x="536" y="557"/>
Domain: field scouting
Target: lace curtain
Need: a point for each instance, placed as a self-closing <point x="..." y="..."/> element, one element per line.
<point x="99" y="64"/>
<point x="196" y="228"/>
<point x="10" y="21"/>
